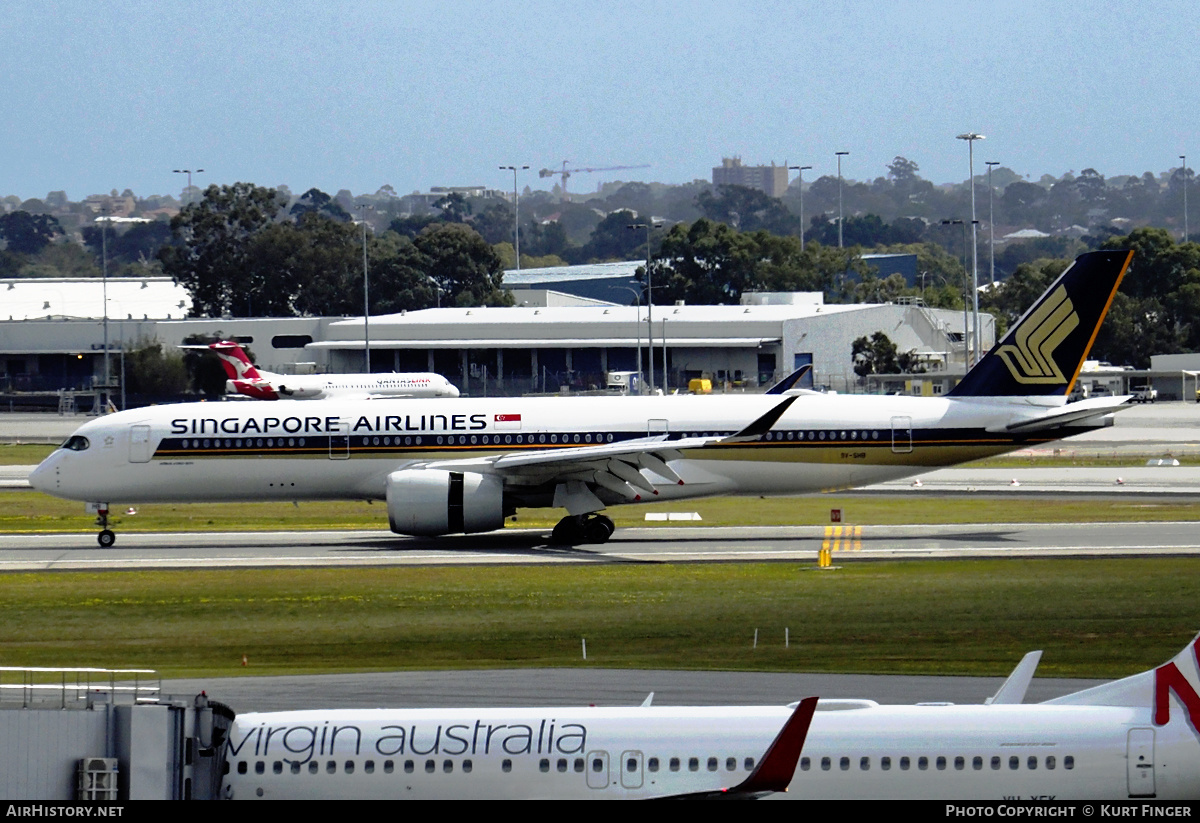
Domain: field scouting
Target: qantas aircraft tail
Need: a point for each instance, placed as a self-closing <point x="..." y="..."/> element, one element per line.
<point x="1043" y="352"/>
<point x="237" y="364"/>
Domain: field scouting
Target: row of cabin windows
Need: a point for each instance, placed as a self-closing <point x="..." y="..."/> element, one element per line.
<point x="349" y="767"/>
<point x="675" y="764"/>
<point x="430" y="766"/>
<point x="821" y="435"/>
<point x="941" y="763"/>
<point x="486" y="440"/>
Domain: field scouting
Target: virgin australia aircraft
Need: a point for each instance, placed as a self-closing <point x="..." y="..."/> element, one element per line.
<point x="462" y="466"/>
<point x="1132" y="738"/>
<point x="245" y="379"/>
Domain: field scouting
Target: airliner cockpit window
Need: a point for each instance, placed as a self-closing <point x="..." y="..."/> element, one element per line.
<point x="76" y="443"/>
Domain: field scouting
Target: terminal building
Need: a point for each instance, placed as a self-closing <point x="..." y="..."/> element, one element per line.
<point x="549" y="342"/>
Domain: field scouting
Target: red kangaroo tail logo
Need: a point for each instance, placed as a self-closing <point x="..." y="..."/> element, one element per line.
<point x="237" y="365"/>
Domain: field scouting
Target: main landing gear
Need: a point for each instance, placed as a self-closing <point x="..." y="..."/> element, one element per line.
<point x="106" y="537"/>
<point x="582" y="528"/>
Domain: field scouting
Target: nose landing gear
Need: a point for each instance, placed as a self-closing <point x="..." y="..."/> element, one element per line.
<point x="106" y="537"/>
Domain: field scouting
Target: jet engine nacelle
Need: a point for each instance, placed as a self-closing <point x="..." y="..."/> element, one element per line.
<point x="430" y="502"/>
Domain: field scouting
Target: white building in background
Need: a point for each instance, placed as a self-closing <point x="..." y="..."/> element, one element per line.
<point x="539" y="346"/>
<point x="51" y="336"/>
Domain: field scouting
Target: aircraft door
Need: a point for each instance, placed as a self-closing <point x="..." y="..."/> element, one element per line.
<point x="139" y="444"/>
<point x="1140" y="760"/>
<point x="631" y="770"/>
<point x="901" y="435"/>
<point x="597" y="769"/>
<point x="339" y="442"/>
<point x="656" y="427"/>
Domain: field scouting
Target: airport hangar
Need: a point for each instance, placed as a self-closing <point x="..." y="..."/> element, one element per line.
<point x="52" y="336"/>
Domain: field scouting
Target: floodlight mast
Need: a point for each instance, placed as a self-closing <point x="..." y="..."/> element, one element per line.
<point x="800" y="182"/>
<point x="971" y="137"/>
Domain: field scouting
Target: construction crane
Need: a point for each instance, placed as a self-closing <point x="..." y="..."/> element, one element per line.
<point x="566" y="173"/>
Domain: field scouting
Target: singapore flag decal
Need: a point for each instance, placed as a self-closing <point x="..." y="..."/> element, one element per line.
<point x="507" y="422"/>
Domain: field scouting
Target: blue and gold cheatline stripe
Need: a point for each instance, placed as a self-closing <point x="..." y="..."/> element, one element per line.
<point x="864" y="445"/>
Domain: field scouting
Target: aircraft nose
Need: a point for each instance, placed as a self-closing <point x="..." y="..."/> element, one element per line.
<point x="44" y="475"/>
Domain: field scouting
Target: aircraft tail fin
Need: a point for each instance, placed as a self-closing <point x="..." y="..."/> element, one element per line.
<point x="1044" y="350"/>
<point x="237" y="364"/>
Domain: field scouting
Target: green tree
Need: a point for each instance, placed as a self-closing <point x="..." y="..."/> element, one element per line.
<point x="150" y="370"/>
<point x="454" y="208"/>
<point x="495" y="224"/>
<point x="708" y="263"/>
<point x="747" y="209"/>
<point x="139" y="244"/>
<point x="315" y="200"/>
<point x="874" y="355"/>
<point x="612" y="239"/>
<point x="212" y="243"/>
<point x="26" y="233"/>
<point x="399" y="275"/>
<point x="463" y="265"/>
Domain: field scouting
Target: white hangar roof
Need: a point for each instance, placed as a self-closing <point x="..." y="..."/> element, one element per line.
<point x="129" y="298"/>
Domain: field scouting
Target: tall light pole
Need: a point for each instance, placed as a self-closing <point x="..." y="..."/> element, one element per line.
<point x="362" y="218"/>
<point x="1183" y="157"/>
<point x="971" y="137"/>
<point x="966" y="303"/>
<point x="800" y="180"/>
<point x="992" y="219"/>
<point x="637" y="296"/>
<point x="188" y="172"/>
<point x="648" y="225"/>
<point x="840" y="155"/>
<point x="516" y="213"/>
<point x="104" y="296"/>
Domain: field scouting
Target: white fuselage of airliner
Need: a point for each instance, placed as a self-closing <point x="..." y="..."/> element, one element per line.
<point x="291" y="450"/>
<point x="854" y="749"/>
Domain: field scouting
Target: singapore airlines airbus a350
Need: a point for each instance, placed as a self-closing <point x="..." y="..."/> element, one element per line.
<point x="1132" y="738"/>
<point x="448" y="466"/>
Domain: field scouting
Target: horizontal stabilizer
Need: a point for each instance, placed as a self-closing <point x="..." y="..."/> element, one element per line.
<point x="1069" y="414"/>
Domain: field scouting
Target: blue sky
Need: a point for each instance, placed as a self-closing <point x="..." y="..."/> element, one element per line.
<point x="419" y="94"/>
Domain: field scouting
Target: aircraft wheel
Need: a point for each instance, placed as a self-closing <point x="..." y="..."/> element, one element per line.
<point x="598" y="530"/>
<point x="568" y="531"/>
<point x="106" y="538"/>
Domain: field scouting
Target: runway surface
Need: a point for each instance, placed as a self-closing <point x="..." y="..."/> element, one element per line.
<point x="601" y="687"/>
<point x="1168" y="429"/>
<point x="650" y="545"/>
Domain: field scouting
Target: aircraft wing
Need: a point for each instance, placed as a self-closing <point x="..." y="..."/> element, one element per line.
<point x="613" y="466"/>
<point x="1070" y="413"/>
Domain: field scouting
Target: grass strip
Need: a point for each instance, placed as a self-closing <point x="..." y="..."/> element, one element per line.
<point x="29" y="512"/>
<point x="1094" y="617"/>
